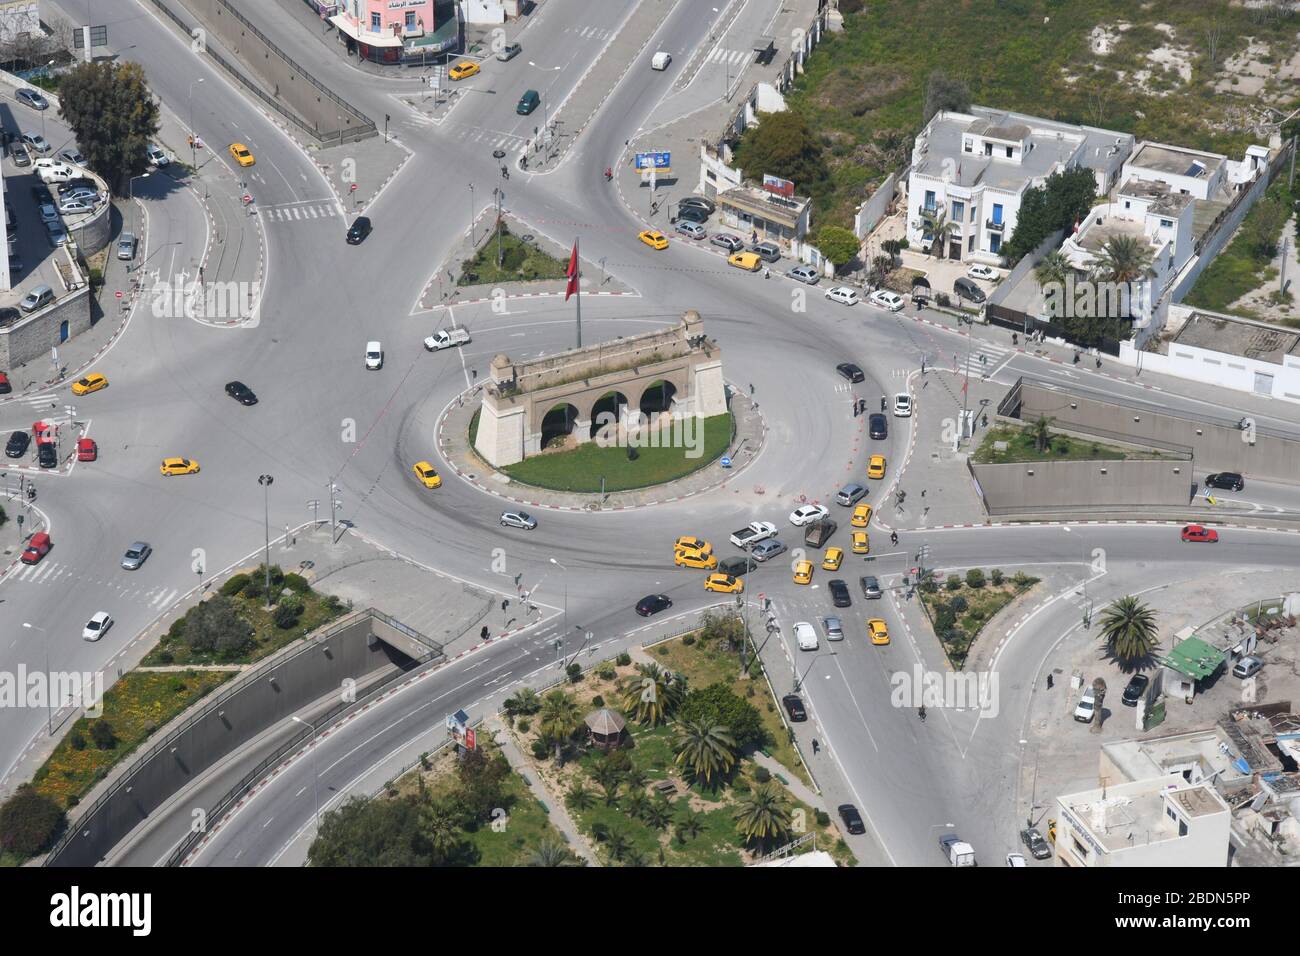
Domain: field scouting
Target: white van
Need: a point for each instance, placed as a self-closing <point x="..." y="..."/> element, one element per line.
<point x="661" y="61"/>
<point x="374" y="355"/>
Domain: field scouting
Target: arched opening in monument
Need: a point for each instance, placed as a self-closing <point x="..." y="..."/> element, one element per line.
<point x="657" y="397"/>
<point x="607" y="413"/>
<point x="558" y="424"/>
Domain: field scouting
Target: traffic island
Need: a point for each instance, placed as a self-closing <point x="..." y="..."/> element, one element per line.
<point x="959" y="608"/>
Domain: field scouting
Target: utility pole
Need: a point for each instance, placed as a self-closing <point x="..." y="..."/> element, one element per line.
<point x="497" y="192"/>
<point x="265" y="481"/>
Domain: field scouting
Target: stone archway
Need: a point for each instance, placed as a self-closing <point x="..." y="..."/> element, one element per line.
<point x="657" y="397"/>
<point x="558" y="423"/>
<point x="608" y="413"/>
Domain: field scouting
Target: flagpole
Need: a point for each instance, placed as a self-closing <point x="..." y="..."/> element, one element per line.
<point x="577" y="270"/>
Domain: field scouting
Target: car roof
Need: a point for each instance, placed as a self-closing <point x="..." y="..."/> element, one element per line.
<point x="138" y="546"/>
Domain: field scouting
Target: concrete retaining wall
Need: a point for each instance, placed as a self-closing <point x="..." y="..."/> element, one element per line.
<point x="1027" y="487"/>
<point x="31" y="338"/>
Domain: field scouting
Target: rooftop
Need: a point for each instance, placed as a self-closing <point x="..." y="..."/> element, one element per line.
<point x="764" y="204"/>
<point x="1176" y="161"/>
<point x="1163" y="199"/>
<point x="1133" y="814"/>
<point x="1223" y="333"/>
<point x="1210" y="750"/>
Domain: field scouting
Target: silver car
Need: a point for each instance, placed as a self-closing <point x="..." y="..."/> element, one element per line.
<point x="509" y="52"/>
<point x="692" y="230"/>
<point x="728" y="241"/>
<point x="57" y="235"/>
<point x="767" y="549"/>
<point x="805" y="274"/>
<point x="136" y="555"/>
<point x="850" y="494"/>
<point x="834" y="629"/>
<point x="518" y="519"/>
<point x="126" y="246"/>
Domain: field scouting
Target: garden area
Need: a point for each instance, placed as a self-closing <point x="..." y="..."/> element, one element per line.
<point x="959" y="608"/>
<point x="235" y="626"/>
<point x="1007" y="443"/>
<point x="581" y="468"/>
<point x="519" y="261"/>
<point x="684" y="788"/>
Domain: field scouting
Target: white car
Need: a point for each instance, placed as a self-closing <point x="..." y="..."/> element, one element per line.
<point x="902" y="405"/>
<point x="1015" y="859"/>
<point x="73" y="156"/>
<point x="802" y="516"/>
<point x="96" y="627"/>
<point x="374" y="355"/>
<point x="891" y="301"/>
<point x="1087" y="707"/>
<point x="806" y="636"/>
<point x="156" y="155"/>
<point x="518" y="519"/>
<point x="842" y="294"/>
<point x="76" y="205"/>
<point x="987" y="273"/>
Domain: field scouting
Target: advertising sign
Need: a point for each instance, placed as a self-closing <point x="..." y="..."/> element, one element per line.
<point x="775" y="184"/>
<point x="658" y="161"/>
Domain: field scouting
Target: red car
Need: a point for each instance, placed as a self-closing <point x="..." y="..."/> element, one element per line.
<point x="87" y="450"/>
<point x="43" y="433"/>
<point x="37" y="548"/>
<point x="5" y="387"/>
<point x="1195" y="532"/>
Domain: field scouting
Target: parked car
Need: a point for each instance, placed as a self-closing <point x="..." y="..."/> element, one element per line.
<point x="75" y="206"/>
<point x="30" y="97"/>
<point x="1247" y="667"/>
<point x="690" y="229"/>
<point x="986" y="273"/>
<point x="870" y="587"/>
<point x="692" y="213"/>
<point x="805" y="274"/>
<point x="1016" y="859"/>
<point x="38" y="298"/>
<point x="727" y="241"/>
<point x="884" y="299"/>
<point x="805" y="636"/>
<point x="653" y="604"/>
<point x="850" y="494"/>
<point x="49" y="213"/>
<point x="700" y="202"/>
<point x="21" y="157"/>
<point x="1086" y="709"/>
<point x="73" y="156"/>
<point x="842" y="294"/>
<point x="794" y="707"/>
<point x="36" y="143"/>
<point x="126" y="244"/>
<point x="87" y="450"/>
<point x="749" y="261"/>
<point x="967" y="289"/>
<point x="156" y="155"/>
<point x="1033" y="840"/>
<point x="7" y="316"/>
<point x="360" y="228"/>
<point x="852" y="819"/>
<point x="767" y="251"/>
<point x="47" y="455"/>
<point x="16" y="447"/>
<point x="77" y="184"/>
<point x="509" y="52"/>
<point x="136" y="555"/>
<point x="850" y="372"/>
<point x="1134" y="690"/>
<point x="518" y="519"/>
<point x="57" y="235"/>
<point x="1227" y="480"/>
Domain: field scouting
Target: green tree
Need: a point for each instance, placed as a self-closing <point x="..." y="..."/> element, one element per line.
<point x="1263" y="227"/>
<point x="1051" y="274"/>
<point x="482" y="783"/>
<point x="1128" y="629"/>
<point x="216" y="626"/>
<point x="30" y="822"/>
<point x="837" y="244"/>
<point x="559" y="719"/>
<point x="368" y="833"/>
<point x="580" y="796"/>
<point x="552" y="853"/>
<point x="1098" y="697"/>
<point x="608" y="775"/>
<point x="943" y="92"/>
<point x="525" y="702"/>
<point x="636" y="804"/>
<point x="1042" y="432"/>
<point x="652" y="695"/>
<point x="705" y="749"/>
<point x="689" y="825"/>
<point x="940" y="229"/>
<point x="783" y="144"/>
<point x="619" y="844"/>
<point x="113" y="116"/>
<point x="1063" y="200"/>
<point x="440" y="825"/>
<point x="658" y="814"/>
<point x="763" y="816"/>
<point x="1122" y="259"/>
<point x="718" y="704"/>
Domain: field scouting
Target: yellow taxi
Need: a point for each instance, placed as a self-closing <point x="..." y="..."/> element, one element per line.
<point x="91" y="383"/>
<point x="179" y="466"/>
<point x="803" y="572"/>
<point x="690" y="543"/>
<point x="878" y="631"/>
<point x="463" y="70"/>
<point x="653" y="238"/>
<point x="876" y="467"/>
<point x="426" y="475"/>
<point x="724" y="584"/>
<point x="860" y="543"/>
<point x="834" y="557"/>
<point x="241" y="154"/>
<point x="861" y="515"/>
<point x="695" y="559"/>
<point x="748" y="261"/>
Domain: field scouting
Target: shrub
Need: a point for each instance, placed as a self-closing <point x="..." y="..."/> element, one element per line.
<point x="30" y="822"/>
<point x="1022" y="580"/>
<point x="76" y="741"/>
<point x="236" y="584"/>
<point x="296" y="583"/>
<point x="822" y="817"/>
<point x="524" y="724"/>
<point x="954" y="582"/>
<point x="574" y="672"/>
<point x="996" y="576"/>
<point x="975" y="578"/>
<point x="215" y="626"/>
<point x="623" y="659"/>
<point x="254" y="589"/>
<point x="540" y="750"/>
<point x="598" y="701"/>
<point x="959" y="605"/>
<point x="762" y="775"/>
<point x="606" y="671"/>
<point x="177" y="630"/>
<point x="286" y="616"/>
<point x="944" y="618"/>
<point x="277" y="575"/>
<point x="101" y="732"/>
<point x="688" y="640"/>
<point x="929" y="585"/>
<point x="166" y="657"/>
<point x="942" y="300"/>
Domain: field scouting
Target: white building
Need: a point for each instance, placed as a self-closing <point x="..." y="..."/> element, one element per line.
<point x="972" y="169"/>
<point x="1150" y="822"/>
<point x="1193" y="172"/>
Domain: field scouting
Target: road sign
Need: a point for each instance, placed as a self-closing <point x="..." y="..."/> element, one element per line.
<point x="118" y="294"/>
<point x="352" y="188"/>
<point x="657" y="160"/>
<point x="726" y="462"/>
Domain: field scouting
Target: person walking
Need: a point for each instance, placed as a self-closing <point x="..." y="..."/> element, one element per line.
<point x="483" y="634"/>
<point x="893" y="537"/>
<point x="1050" y="682"/>
<point x="816" y="746"/>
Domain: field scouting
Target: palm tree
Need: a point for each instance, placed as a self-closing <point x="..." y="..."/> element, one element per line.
<point x="1051" y="274"/>
<point x="524" y="702"/>
<point x="560" y="719"/>
<point x="940" y="228"/>
<point x="658" y="814"/>
<point x="636" y="804"/>
<point x="653" y="696"/>
<point x="551" y="853"/>
<point x="581" y="797"/>
<point x="763" y="816"/>
<point x="608" y="775"/>
<point x="618" y="844"/>
<point x="635" y="857"/>
<point x="440" y="826"/>
<point x="635" y="778"/>
<point x="1042" y="431"/>
<point x="705" y="749"/>
<point x="1098" y="695"/>
<point x="1122" y="259"/>
<point x="690" y="825"/>
<point x="1128" y="628"/>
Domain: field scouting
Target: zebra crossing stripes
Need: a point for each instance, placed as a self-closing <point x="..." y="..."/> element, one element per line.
<point x="590" y="33"/>
<point x="300" y="212"/>
<point x="49" y="572"/>
<point x="729" y="57"/>
<point x="983" y="359"/>
<point x="43" y="400"/>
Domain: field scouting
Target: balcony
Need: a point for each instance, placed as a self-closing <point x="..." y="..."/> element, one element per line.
<point x="992" y="226"/>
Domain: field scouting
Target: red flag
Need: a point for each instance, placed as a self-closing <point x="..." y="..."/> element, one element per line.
<point x="571" y="273"/>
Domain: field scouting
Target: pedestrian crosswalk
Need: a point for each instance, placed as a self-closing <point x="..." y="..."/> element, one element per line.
<point x="299" y="212"/>
<point x="490" y="137"/>
<point x="53" y="573"/>
<point x="42" y="401"/>
<point x="590" y="33"/>
<point x="729" y="57"/>
<point x="982" y="360"/>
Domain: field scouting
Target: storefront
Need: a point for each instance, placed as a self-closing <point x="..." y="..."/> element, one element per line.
<point x="392" y="31"/>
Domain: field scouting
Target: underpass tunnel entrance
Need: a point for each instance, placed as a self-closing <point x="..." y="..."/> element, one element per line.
<point x="558" y="424"/>
<point x="607" y="414"/>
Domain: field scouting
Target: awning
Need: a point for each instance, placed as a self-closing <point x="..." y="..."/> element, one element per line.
<point x="345" y="26"/>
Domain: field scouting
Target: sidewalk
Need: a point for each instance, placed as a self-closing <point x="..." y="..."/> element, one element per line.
<point x="559" y="816"/>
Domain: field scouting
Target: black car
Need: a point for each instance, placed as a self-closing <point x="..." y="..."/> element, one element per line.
<point x="738" y="566"/>
<point x="852" y="819"/>
<point x="1228" y="480"/>
<point x="653" y="604"/>
<point x="839" y="593"/>
<point x="359" y="230"/>
<point x="241" y="393"/>
<point x="794" y="707"/>
<point x="692" y="213"/>
<point x="878" y="426"/>
<point x="79" y="182"/>
<point x="47" y="456"/>
<point x="1133" y="692"/>
<point x="870" y="587"/>
<point x="850" y="372"/>
<point x="699" y="202"/>
<point x="1035" y="843"/>
<point x="16" y="447"/>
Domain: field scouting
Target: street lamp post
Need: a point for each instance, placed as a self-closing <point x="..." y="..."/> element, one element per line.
<point x="798" y="680"/>
<point x="130" y="198"/>
<point x="566" y="594"/>
<point x="194" y="164"/>
<point x="49" y="706"/>
<point x="265" y="481"/>
<point x="315" y="762"/>
<point x="471" y="213"/>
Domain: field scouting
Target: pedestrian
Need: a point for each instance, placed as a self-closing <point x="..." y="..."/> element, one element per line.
<point x="1014" y="340"/>
<point x="984" y="359"/>
<point x="893" y="537"/>
<point x="922" y="492"/>
<point x="751" y="389"/>
<point x="816" y="746"/>
<point x="1050" y="681"/>
<point x="1098" y="361"/>
<point x="483" y="634"/>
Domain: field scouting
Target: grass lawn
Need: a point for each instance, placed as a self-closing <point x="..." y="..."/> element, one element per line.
<point x="958" y="622"/>
<point x="1021" y="447"/>
<point x="137" y="705"/>
<point x="580" y="469"/>
<point x="520" y="262"/>
<point x="1238" y="269"/>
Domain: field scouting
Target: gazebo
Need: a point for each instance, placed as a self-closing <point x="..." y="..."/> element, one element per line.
<point x="605" y="728"/>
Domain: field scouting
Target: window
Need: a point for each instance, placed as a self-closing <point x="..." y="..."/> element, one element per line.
<point x="929" y="200"/>
<point x="988" y="149"/>
<point x="958" y="210"/>
<point x="1166" y="223"/>
<point x="410" y="19"/>
<point x="966" y="146"/>
<point x="1009" y="152"/>
<point x="972" y="212"/>
<point x="995" y="242"/>
<point x="1127" y="204"/>
<point x="970" y="244"/>
<point x="997" y="213"/>
<point x="375" y="23"/>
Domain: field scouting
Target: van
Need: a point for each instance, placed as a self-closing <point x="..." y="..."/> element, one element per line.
<point x="528" y="102"/>
<point x="38" y="298"/>
<point x="374" y="355"/>
<point x="509" y="52"/>
<point x="767" y="251"/>
<point x="660" y="61"/>
<point x="445" y="339"/>
<point x="967" y="289"/>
